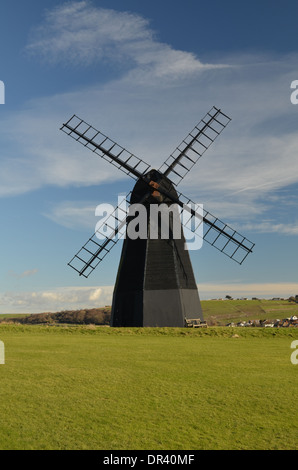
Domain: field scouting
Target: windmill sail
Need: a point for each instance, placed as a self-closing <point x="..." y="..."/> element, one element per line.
<point x="106" y="148"/>
<point x="106" y="236"/>
<point x="181" y="161"/>
<point x="100" y="244"/>
<point x="225" y="239"/>
<point x="219" y="234"/>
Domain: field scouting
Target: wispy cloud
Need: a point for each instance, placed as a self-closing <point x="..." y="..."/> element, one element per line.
<point x="27" y="273"/>
<point x="145" y="111"/>
<point x="271" y="227"/>
<point x="56" y="299"/>
<point x="73" y="214"/>
<point x="78" y="33"/>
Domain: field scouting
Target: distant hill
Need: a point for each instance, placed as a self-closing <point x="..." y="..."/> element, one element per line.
<point x="221" y="312"/>
<point x="95" y="316"/>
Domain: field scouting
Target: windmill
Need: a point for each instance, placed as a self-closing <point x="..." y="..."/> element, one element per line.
<point x="155" y="284"/>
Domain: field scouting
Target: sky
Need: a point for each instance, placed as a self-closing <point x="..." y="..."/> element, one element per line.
<point x="144" y="74"/>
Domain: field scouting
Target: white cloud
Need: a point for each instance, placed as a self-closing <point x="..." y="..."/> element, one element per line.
<point x="74" y="298"/>
<point x="58" y="299"/>
<point x="147" y="112"/>
<point x="78" y="33"/>
<point x="27" y="273"/>
<point x="96" y="295"/>
<point x="73" y="214"/>
<point x="270" y="227"/>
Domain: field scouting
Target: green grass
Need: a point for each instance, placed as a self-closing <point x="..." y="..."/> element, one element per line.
<point x="70" y="387"/>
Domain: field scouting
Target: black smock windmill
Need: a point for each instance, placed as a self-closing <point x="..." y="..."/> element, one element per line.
<point x="155" y="284"/>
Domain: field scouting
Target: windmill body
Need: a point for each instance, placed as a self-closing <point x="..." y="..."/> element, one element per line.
<point x="155" y="284"/>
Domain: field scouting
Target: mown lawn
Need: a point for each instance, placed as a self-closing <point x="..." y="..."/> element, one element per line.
<point x="102" y="388"/>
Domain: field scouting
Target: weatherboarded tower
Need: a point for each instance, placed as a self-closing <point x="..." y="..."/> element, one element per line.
<point x="155" y="284"/>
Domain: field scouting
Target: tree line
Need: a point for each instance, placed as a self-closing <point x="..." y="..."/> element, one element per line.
<point x="95" y="316"/>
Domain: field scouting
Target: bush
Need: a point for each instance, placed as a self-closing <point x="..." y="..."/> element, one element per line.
<point x="94" y="316"/>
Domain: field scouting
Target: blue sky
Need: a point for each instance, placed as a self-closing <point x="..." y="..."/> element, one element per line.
<point x="144" y="73"/>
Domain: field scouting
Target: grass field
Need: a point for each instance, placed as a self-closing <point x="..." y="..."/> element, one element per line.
<point x="86" y="387"/>
<point x="227" y="311"/>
